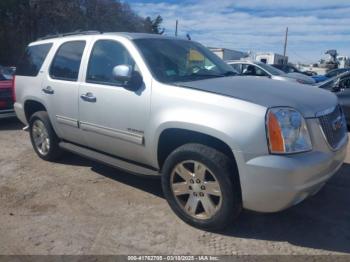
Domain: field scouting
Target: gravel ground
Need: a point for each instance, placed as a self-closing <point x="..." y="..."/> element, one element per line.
<point x="77" y="206"/>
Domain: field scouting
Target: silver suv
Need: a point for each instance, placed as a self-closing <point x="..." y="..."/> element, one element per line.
<point x="157" y="105"/>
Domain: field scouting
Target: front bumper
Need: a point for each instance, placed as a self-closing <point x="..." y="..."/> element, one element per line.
<point x="7" y="113"/>
<point x="273" y="182"/>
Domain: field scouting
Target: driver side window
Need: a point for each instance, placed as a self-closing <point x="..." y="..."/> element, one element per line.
<point x="105" y="55"/>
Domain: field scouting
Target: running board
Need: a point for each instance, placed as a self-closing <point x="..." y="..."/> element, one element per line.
<point x="109" y="160"/>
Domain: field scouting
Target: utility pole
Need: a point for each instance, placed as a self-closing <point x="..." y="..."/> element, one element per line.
<point x="285" y="42"/>
<point x="176" y="27"/>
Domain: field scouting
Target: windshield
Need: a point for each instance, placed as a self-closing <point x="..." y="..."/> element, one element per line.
<point x="272" y="70"/>
<point x="181" y="60"/>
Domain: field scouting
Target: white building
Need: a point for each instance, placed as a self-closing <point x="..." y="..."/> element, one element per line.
<point x="271" y="58"/>
<point x="228" y="54"/>
<point x="344" y="61"/>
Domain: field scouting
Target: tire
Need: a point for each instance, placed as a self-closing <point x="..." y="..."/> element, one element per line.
<point x="40" y="121"/>
<point x="219" y="171"/>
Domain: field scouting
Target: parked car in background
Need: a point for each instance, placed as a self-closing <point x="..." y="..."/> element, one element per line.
<point x="340" y="85"/>
<point x="254" y="68"/>
<point x="290" y="68"/>
<point x="7" y="72"/>
<point x="330" y="74"/>
<point x="6" y="93"/>
<point x="158" y="105"/>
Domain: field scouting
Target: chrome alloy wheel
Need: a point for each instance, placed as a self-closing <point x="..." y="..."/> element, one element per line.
<point x="196" y="189"/>
<point x="41" y="137"/>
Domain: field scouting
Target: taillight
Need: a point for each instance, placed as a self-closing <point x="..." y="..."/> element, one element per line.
<point x="13" y="88"/>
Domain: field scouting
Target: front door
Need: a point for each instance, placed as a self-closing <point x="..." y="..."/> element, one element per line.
<point x="113" y="118"/>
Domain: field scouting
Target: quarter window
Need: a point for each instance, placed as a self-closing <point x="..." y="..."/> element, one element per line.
<point x="32" y="60"/>
<point x="107" y="54"/>
<point x="66" y="64"/>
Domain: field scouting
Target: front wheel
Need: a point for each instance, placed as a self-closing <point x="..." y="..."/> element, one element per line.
<point x="201" y="186"/>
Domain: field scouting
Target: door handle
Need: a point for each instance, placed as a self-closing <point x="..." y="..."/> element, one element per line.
<point x="48" y="90"/>
<point x="88" y="97"/>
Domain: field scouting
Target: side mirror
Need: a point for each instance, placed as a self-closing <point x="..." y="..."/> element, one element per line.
<point x="132" y="79"/>
<point x="122" y="73"/>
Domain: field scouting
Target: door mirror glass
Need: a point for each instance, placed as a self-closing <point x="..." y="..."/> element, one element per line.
<point x="122" y="73"/>
<point x="132" y="80"/>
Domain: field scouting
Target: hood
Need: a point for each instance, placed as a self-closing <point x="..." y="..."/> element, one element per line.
<point x="268" y="93"/>
<point x="302" y="77"/>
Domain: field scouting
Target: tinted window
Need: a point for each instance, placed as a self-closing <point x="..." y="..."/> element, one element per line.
<point x="67" y="60"/>
<point x="105" y="55"/>
<point x="32" y="60"/>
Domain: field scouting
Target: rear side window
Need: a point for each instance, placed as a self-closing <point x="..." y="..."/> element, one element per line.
<point x="33" y="59"/>
<point x="66" y="63"/>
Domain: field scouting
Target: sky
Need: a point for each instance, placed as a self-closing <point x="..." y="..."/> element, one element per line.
<point x="258" y="25"/>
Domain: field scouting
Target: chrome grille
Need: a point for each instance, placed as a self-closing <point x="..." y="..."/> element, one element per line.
<point x="334" y="127"/>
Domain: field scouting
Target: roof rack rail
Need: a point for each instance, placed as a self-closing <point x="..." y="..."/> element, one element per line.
<point x="78" y="32"/>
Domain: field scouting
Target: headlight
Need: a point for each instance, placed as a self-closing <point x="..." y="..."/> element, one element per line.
<point x="287" y="131"/>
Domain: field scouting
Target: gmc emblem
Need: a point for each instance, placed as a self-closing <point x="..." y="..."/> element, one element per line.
<point x="337" y="124"/>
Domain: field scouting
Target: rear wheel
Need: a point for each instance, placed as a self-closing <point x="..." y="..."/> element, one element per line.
<point x="43" y="137"/>
<point x="201" y="186"/>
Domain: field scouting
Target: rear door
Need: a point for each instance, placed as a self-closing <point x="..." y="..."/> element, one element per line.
<point x="61" y="88"/>
<point x="114" y="119"/>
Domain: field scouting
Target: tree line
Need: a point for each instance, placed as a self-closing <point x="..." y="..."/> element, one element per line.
<point x="24" y="21"/>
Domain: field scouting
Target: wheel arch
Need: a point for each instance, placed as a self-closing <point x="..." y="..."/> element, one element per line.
<point x="171" y="138"/>
<point x="32" y="106"/>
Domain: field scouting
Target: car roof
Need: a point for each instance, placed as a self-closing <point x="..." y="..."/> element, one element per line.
<point x="87" y="34"/>
<point x="242" y="61"/>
